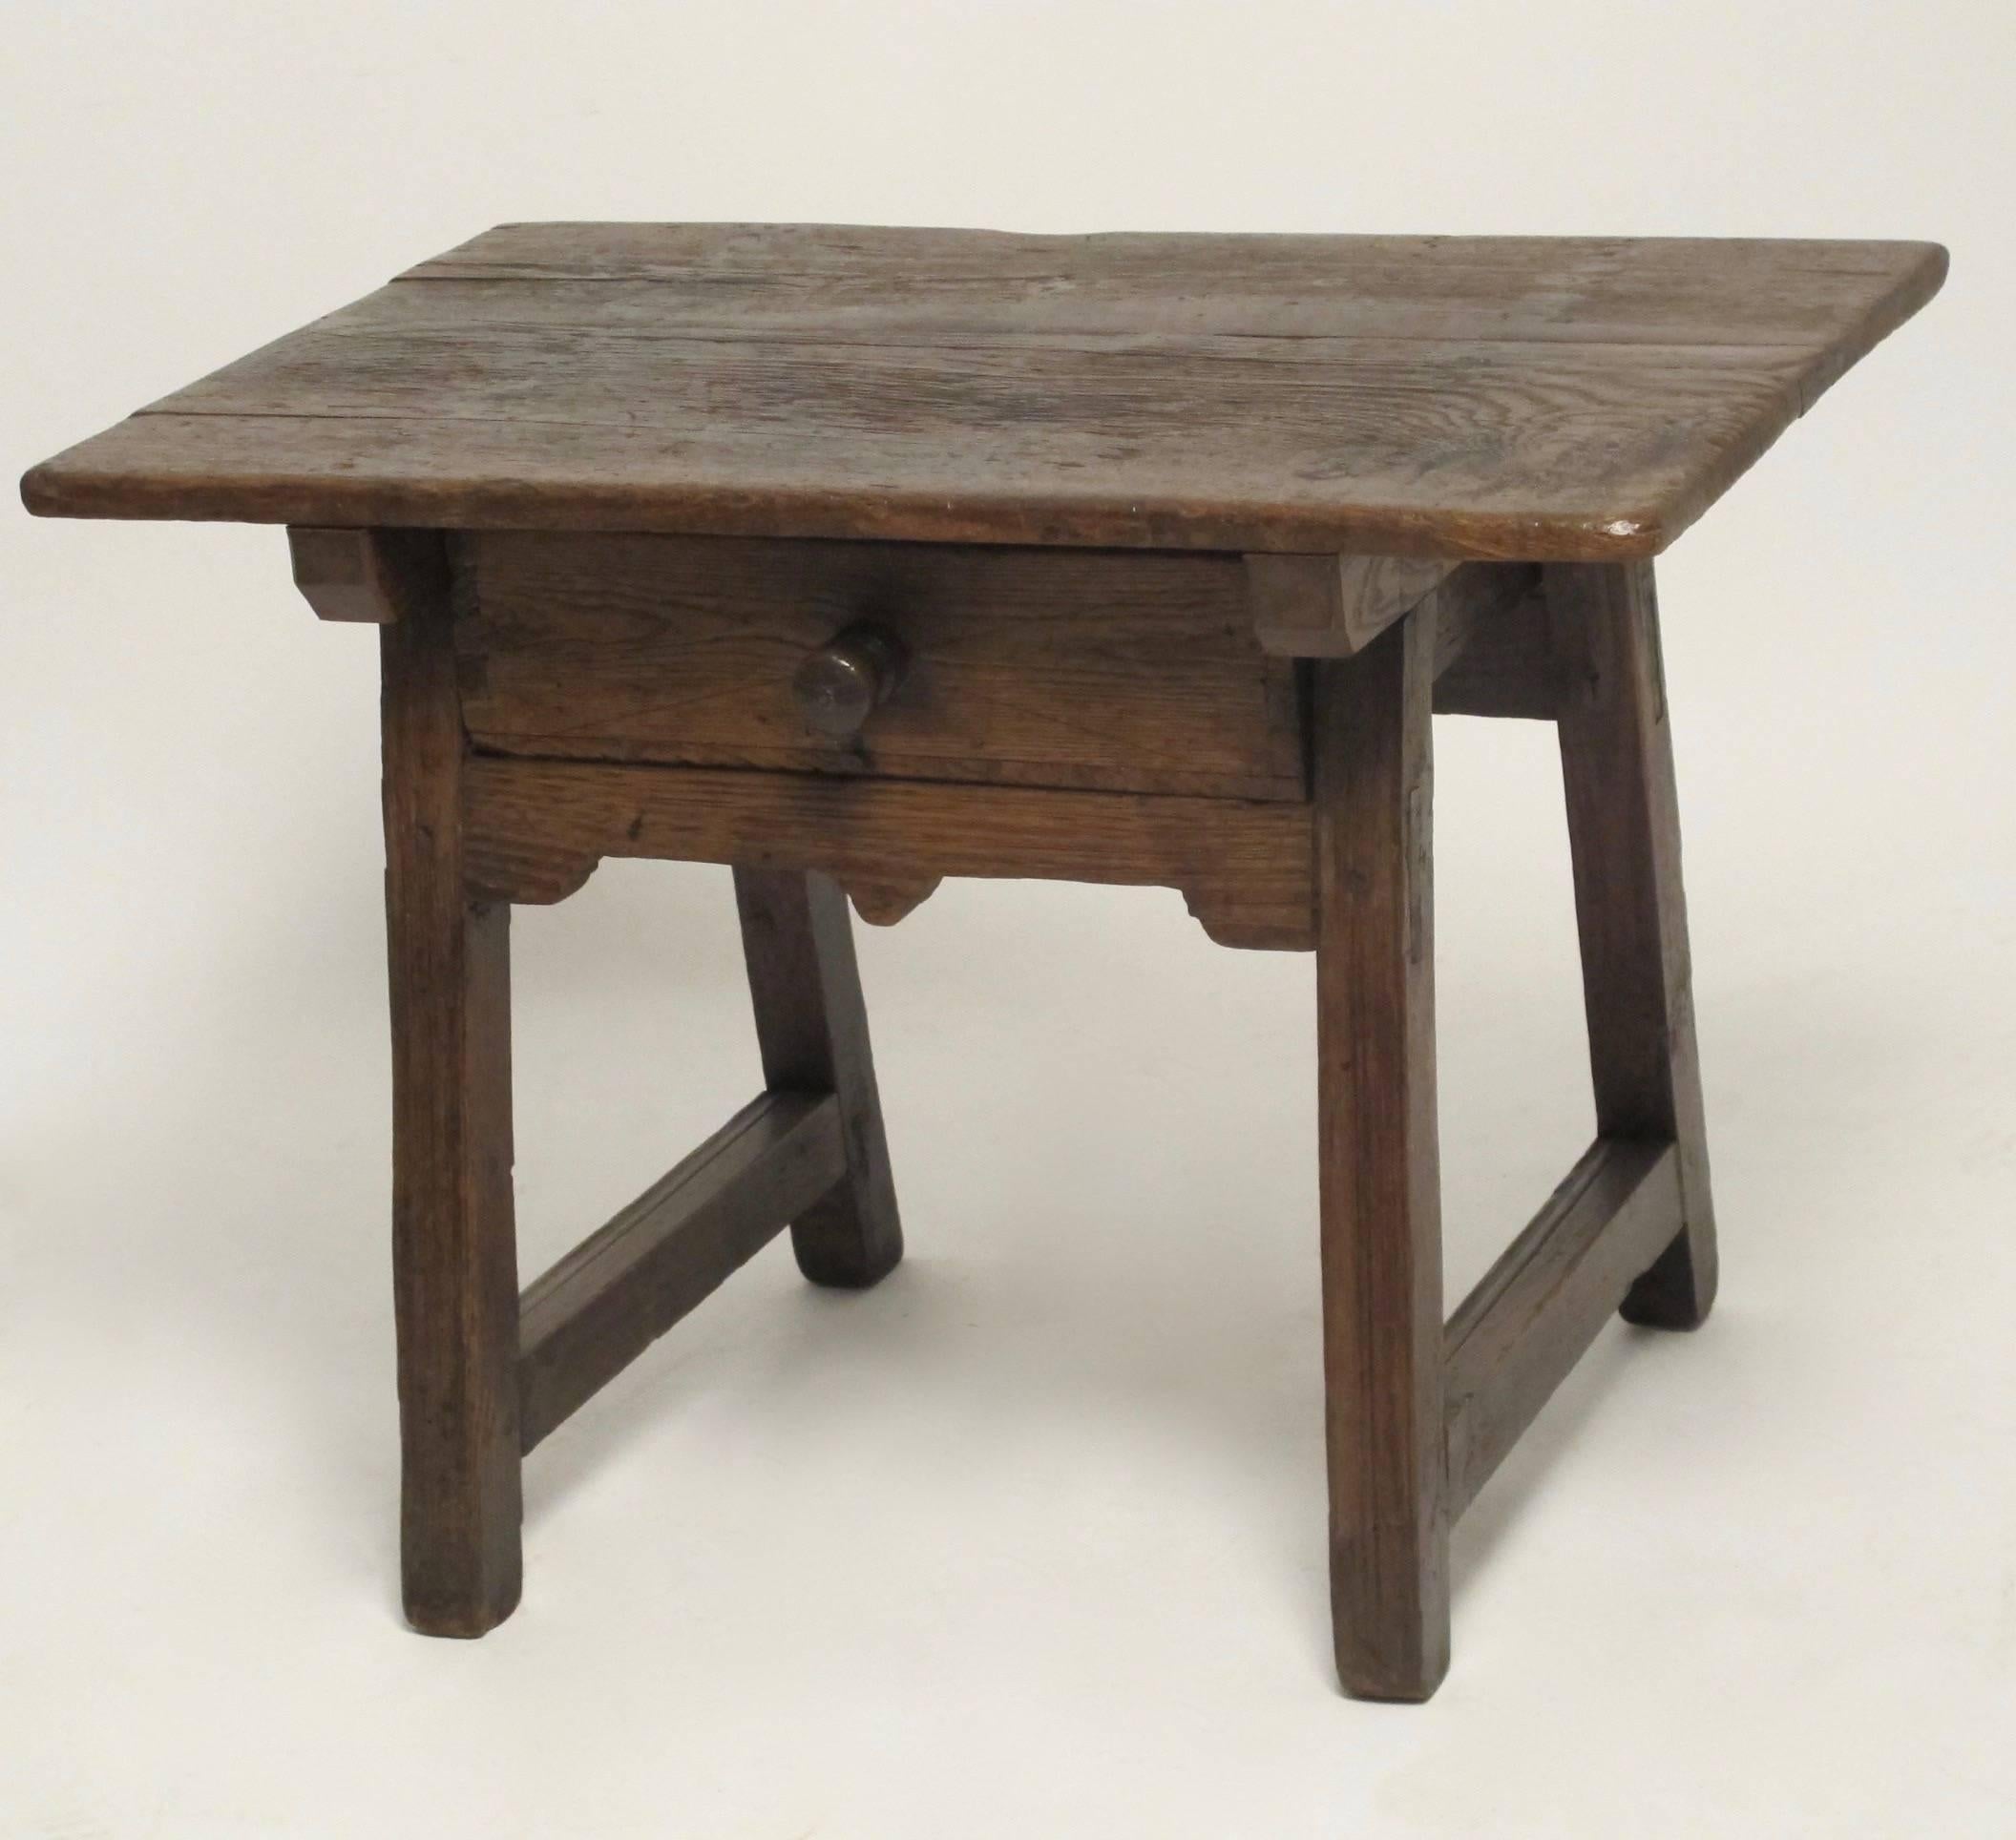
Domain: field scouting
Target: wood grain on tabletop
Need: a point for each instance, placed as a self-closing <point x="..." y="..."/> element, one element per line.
<point x="1487" y="397"/>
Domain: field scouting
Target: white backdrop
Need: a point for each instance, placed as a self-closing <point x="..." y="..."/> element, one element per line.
<point x="1029" y="1540"/>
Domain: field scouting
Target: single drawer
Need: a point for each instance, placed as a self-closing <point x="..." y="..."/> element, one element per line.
<point x="1131" y="670"/>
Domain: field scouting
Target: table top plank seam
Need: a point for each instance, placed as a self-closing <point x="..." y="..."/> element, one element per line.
<point x="1496" y="399"/>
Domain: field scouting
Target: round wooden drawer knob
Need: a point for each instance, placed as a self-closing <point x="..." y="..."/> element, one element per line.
<point x="839" y="686"/>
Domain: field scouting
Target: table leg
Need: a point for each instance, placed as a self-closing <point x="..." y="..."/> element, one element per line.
<point x="1624" y="832"/>
<point x="811" y="1024"/>
<point x="1379" y="1171"/>
<point x="454" y="1262"/>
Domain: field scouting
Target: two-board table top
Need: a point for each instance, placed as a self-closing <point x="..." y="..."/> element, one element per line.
<point x="1463" y="396"/>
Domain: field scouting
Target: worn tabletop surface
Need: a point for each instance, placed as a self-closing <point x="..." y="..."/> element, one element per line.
<point x="1512" y="397"/>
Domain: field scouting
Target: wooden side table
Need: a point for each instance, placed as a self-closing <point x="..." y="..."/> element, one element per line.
<point x="856" y="558"/>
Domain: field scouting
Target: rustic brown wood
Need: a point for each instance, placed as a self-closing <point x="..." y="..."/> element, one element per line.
<point x="1472" y="600"/>
<point x="1509" y="398"/>
<point x="883" y="902"/>
<point x="1499" y="660"/>
<point x="373" y="576"/>
<point x="855" y="558"/>
<point x="1535" y="1312"/>
<point x="851" y="280"/>
<point x="1332" y="606"/>
<point x="537" y="829"/>
<point x="1249" y="922"/>
<point x="1103" y="669"/>
<point x="1623" y="838"/>
<point x="624" y="1286"/>
<point x="1379" y="1172"/>
<point x="811" y="1026"/>
<point x="455" y="1259"/>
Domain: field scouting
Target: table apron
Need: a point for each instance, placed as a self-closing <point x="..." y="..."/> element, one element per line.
<point x="536" y="830"/>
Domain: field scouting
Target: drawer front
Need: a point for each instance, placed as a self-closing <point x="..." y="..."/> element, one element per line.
<point x="1136" y="671"/>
